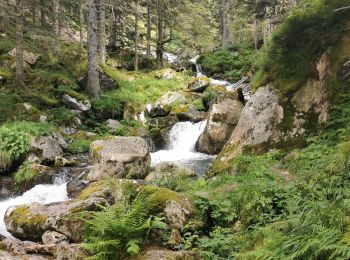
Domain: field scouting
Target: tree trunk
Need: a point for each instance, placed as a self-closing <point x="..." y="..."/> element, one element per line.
<point x="159" y="47"/>
<point x="136" y="36"/>
<point x="224" y="24"/>
<point x="148" y="51"/>
<point x="102" y="32"/>
<point x="55" y="17"/>
<point x="19" y="44"/>
<point x="42" y="14"/>
<point x="93" y="86"/>
<point x="81" y="23"/>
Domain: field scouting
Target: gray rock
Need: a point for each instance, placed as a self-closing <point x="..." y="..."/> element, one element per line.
<point x="169" y="169"/>
<point x="176" y="214"/>
<point x="199" y="84"/>
<point x="120" y="157"/>
<point x="47" y="148"/>
<point x="73" y="103"/>
<point x="67" y="251"/>
<point x="53" y="237"/>
<point x="113" y="124"/>
<point x="222" y="120"/>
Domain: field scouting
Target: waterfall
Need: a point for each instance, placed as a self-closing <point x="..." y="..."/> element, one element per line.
<point x="199" y="70"/>
<point x="181" y="148"/>
<point x="42" y="193"/>
<point x="184" y="135"/>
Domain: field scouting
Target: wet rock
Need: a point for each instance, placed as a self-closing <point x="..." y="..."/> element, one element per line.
<point x="53" y="237"/>
<point x="7" y="187"/>
<point x="30" y="222"/>
<point x="199" y="84"/>
<point x="169" y="169"/>
<point x="106" y="82"/>
<point x="189" y="113"/>
<point x="162" y="107"/>
<point x="222" y="120"/>
<point x="73" y="103"/>
<point x="77" y="184"/>
<point x="119" y="157"/>
<point x="47" y="148"/>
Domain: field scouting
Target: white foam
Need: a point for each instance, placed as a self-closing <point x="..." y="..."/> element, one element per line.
<point x="43" y="193"/>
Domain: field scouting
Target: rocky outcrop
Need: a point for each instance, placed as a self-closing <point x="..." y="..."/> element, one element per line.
<point x="32" y="221"/>
<point x="28" y="57"/>
<point x="73" y="103"/>
<point x="106" y="82"/>
<point x="199" y="84"/>
<point x="165" y="169"/>
<point x="53" y="237"/>
<point x="221" y="121"/>
<point x="47" y="148"/>
<point x="119" y="157"/>
<point x="270" y="121"/>
<point x="162" y="107"/>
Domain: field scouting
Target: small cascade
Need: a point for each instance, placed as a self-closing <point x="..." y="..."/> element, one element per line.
<point x="42" y="193"/>
<point x="243" y="83"/>
<point x="182" y="141"/>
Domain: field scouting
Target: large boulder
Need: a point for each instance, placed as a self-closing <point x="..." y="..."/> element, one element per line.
<point x="30" y="222"/>
<point x="199" y="84"/>
<point x="222" y="120"/>
<point x="162" y="107"/>
<point x="106" y="82"/>
<point x="47" y="148"/>
<point x="73" y="103"/>
<point x="119" y="157"/>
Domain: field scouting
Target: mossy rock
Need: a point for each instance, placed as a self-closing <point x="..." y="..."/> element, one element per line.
<point x="24" y="224"/>
<point x="29" y="112"/>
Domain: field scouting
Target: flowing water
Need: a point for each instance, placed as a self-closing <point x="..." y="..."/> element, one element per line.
<point x="43" y="193"/>
<point x="181" y="149"/>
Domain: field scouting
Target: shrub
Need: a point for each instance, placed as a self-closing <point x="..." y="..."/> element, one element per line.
<point x="79" y="146"/>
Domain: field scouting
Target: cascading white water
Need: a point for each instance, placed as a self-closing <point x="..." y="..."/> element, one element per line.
<point x="43" y="193"/>
<point x="182" y="140"/>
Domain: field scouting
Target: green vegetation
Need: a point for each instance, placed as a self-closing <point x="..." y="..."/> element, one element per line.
<point x="230" y="64"/>
<point x="110" y="239"/>
<point x="291" y="56"/>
